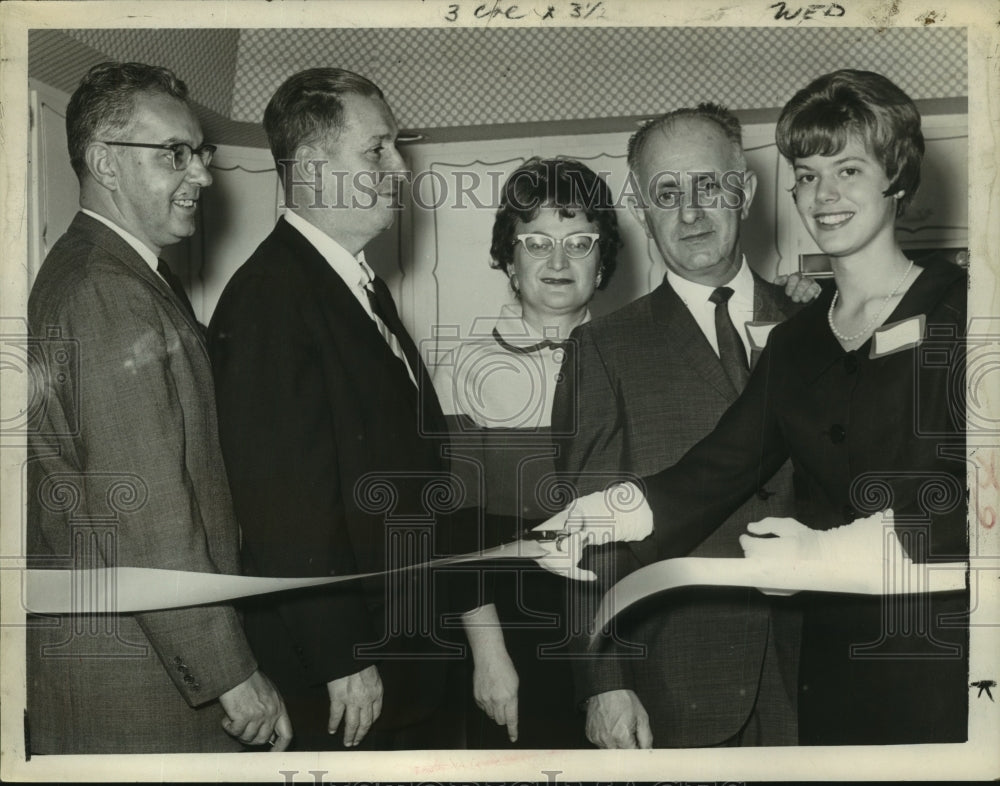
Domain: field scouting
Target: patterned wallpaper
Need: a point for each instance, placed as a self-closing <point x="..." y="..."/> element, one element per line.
<point x="471" y="76"/>
<point x="204" y="59"/>
<point x="454" y="77"/>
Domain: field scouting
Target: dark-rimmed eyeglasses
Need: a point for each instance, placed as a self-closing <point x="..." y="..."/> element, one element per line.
<point x="182" y="152"/>
<point x="575" y="246"/>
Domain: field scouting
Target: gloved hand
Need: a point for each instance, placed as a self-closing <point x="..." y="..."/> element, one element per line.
<point x="620" y="512"/>
<point x="562" y="555"/>
<point x="865" y="546"/>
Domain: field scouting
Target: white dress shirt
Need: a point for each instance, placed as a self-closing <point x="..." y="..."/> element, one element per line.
<point x="355" y="273"/>
<point x="696" y="297"/>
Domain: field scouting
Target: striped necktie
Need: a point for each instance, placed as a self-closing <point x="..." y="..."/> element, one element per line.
<point x="389" y="325"/>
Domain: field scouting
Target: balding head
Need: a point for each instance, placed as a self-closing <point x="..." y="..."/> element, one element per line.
<point x="696" y="189"/>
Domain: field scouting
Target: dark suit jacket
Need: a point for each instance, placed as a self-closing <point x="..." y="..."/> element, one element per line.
<point x="864" y="434"/>
<point x="647" y="387"/>
<point x="321" y="430"/>
<point x="125" y="469"/>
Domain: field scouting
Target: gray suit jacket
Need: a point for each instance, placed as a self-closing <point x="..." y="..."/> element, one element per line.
<point x="125" y="469"/>
<point x="646" y="387"/>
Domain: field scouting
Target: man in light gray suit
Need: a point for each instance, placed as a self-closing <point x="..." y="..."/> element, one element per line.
<point x="653" y="378"/>
<point x="124" y="464"/>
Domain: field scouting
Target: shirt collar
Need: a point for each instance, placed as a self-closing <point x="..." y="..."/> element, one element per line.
<point x="694" y="293"/>
<point x="511" y="325"/>
<point x="140" y="248"/>
<point x="352" y="269"/>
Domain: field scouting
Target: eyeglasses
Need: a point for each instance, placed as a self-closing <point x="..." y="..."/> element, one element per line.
<point x="575" y="246"/>
<point x="182" y="152"/>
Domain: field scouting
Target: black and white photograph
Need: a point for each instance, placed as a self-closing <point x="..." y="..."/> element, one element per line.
<point x="538" y="391"/>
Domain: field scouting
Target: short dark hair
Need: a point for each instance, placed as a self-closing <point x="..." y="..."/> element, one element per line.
<point x="307" y="107"/>
<point x="821" y="116"/>
<point x="727" y="122"/>
<point x="567" y="185"/>
<point x="104" y="103"/>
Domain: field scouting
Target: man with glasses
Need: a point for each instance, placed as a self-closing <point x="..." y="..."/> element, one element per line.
<point x="125" y="467"/>
<point x="654" y="377"/>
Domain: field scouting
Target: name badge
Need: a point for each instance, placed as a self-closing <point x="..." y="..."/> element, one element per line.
<point x="898" y="336"/>
<point x="758" y="332"/>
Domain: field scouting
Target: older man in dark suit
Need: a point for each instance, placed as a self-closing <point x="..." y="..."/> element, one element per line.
<point x="327" y="420"/>
<point x="653" y="378"/>
<point x="125" y="467"/>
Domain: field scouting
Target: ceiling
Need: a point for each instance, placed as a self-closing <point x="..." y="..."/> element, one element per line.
<point x="469" y="83"/>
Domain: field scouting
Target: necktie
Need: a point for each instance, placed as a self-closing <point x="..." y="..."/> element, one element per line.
<point x="731" y="350"/>
<point x="175" y="284"/>
<point x="389" y="325"/>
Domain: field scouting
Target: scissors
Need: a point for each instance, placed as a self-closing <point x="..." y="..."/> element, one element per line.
<point x="546" y="535"/>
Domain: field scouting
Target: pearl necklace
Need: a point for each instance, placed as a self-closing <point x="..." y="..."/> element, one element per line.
<point x="874" y="320"/>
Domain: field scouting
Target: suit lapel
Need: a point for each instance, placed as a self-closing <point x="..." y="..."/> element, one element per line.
<point x="115" y="247"/>
<point x="770" y="304"/>
<point x="348" y="319"/>
<point x="428" y="400"/>
<point x="687" y="339"/>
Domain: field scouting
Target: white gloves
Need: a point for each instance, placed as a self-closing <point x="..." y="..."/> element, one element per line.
<point x="620" y="512"/>
<point x="562" y="555"/>
<point x="866" y="548"/>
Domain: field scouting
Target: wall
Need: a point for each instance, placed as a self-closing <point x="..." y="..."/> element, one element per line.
<point x="451" y="285"/>
<point x="436" y="261"/>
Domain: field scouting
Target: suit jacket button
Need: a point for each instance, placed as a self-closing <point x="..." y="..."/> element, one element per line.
<point x="178" y="660"/>
<point x="837" y="433"/>
<point x="188" y="679"/>
<point x="764" y="494"/>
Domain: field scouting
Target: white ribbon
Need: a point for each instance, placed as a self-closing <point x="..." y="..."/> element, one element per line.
<point x="780" y="577"/>
<point x="128" y="590"/>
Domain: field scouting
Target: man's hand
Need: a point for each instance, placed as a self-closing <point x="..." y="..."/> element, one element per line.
<point x="494" y="679"/>
<point x="617" y="719"/>
<point x="494" y="687"/>
<point x="800" y="288"/>
<point x="256" y="713"/>
<point x="357" y="700"/>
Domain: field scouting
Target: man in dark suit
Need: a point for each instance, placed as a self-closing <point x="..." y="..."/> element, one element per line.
<point x="327" y="420"/>
<point x="653" y="378"/>
<point x="124" y="466"/>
